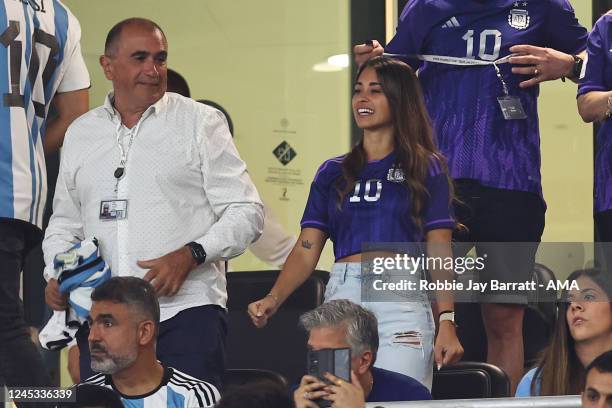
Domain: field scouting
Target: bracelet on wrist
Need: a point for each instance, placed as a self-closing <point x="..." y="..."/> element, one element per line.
<point x="274" y="297"/>
<point x="445" y="311"/>
<point x="447" y="315"/>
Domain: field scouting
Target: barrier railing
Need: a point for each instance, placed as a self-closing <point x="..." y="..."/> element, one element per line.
<point x="568" y="401"/>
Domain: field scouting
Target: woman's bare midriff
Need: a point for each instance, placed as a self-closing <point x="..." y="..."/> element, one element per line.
<point x="366" y="256"/>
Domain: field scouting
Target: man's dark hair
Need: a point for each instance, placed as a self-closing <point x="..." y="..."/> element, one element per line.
<point x="259" y="394"/>
<point x="114" y="34"/>
<point x="134" y="292"/>
<point x="177" y="84"/>
<point x="603" y="363"/>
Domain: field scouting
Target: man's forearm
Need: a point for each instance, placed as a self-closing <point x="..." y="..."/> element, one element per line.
<point x="65" y="227"/>
<point x="55" y="243"/>
<point x="230" y="236"/>
<point x="69" y="106"/>
<point x="593" y="106"/>
<point x="54" y="134"/>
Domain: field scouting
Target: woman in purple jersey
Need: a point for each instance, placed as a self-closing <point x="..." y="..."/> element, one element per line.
<point x="595" y="105"/>
<point x="392" y="187"/>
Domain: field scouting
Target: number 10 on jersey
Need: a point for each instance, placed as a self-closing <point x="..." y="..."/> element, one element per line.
<point x="482" y="49"/>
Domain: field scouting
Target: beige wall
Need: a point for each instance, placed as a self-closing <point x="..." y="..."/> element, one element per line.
<point x="567" y="171"/>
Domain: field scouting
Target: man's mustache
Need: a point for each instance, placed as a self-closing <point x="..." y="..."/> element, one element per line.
<point x="97" y="347"/>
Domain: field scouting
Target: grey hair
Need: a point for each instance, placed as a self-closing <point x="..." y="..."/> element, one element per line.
<point x="360" y="324"/>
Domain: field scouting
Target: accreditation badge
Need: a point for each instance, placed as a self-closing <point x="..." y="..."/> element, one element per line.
<point x="511" y="107"/>
<point x="111" y="210"/>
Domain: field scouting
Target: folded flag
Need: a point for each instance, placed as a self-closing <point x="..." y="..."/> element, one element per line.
<point x="79" y="271"/>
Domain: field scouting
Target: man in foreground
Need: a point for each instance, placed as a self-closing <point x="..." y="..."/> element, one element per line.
<point x="343" y="324"/>
<point x="124" y="323"/>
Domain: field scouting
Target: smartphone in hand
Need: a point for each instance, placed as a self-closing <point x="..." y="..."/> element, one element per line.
<point x="333" y="361"/>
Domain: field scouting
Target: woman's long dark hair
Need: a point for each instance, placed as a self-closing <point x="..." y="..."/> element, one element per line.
<point x="413" y="135"/>
<point x="559" y="369"/>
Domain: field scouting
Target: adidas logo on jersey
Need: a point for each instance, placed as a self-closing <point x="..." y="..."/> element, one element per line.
<point x="453" y="22"/>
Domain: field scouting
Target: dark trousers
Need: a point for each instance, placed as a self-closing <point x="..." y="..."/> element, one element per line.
<point x="193" y="342"/>
<point x="21" y="364"/>
<point x="603" y="226"/>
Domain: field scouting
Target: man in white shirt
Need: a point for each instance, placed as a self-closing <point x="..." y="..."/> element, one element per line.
<point x="124" y="323"/>
<point x="157" y="179"/>
<point x="40" y="62"/>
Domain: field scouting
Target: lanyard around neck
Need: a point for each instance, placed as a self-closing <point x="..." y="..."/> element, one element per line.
<point x="124" y="150"/>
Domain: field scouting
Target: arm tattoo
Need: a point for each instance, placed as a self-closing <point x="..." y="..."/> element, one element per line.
<point x="306" y="244"/>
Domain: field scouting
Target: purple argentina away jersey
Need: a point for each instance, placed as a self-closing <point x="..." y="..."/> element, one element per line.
<point x="462" y="101"/>
<point x="598" y="77"/>
<point x="378" y="208"/>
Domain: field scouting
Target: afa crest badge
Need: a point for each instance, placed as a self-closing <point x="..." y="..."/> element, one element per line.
<point x="395" y="175"/>
<point x="518" y="18"/>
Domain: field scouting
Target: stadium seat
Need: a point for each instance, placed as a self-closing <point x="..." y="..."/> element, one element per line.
<point x="468" y="379"/>
<point x="241" y="376"/>
<point x="281" y="345"/>
<point x="537" y="323"/>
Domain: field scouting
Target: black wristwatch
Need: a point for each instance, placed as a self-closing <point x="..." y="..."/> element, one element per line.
<point x="197" y="251"/>
<point x="576" y="68"/>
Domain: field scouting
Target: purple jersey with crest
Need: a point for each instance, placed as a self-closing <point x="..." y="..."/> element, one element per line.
<point x="462" y="101"/>
<point x="598" y="77"/>
<point x="378" y="208"/>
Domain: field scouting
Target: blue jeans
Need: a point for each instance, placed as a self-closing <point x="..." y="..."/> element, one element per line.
<point x="405" y="323"/>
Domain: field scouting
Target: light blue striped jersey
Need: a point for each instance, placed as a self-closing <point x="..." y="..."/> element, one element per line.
<point x="39" y="56"/>
<point x="176" y="390"/>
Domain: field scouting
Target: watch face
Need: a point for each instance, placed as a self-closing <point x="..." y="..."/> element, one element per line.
<point x="577" y="66"/>
<point x="197" y="252"/>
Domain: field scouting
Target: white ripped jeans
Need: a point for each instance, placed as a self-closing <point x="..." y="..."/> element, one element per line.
<point x="406" y="328"/>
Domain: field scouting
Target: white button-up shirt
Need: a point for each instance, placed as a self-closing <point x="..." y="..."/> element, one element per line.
<point x="184" y="181"/>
